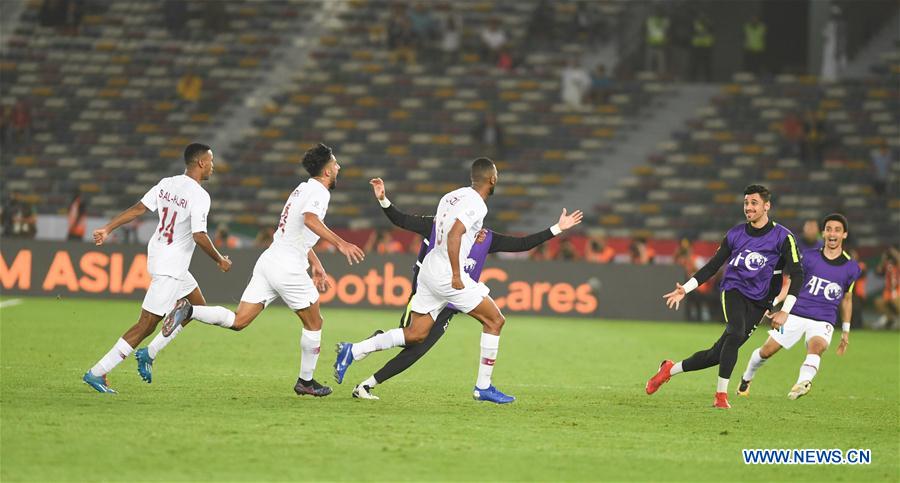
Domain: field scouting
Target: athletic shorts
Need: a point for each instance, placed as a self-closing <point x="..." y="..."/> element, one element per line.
<point x="273" y="277"/>
<point x="433" y="295"/>
<point x="164" y="291"/>
<point x="795" y="327"/>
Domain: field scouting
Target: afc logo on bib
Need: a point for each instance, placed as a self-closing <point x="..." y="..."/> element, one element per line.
<point x="829" y="289"/>
<point x="752" y="260"/>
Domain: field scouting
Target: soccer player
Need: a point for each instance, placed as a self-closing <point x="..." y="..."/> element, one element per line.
<point x="281" y="270"/>
<point x="182" y="205"/>
<point x="828" y="277"/>
<point x="753" y="250"/>
<point x="486" y="242"/>
<point x="441" y="280"/>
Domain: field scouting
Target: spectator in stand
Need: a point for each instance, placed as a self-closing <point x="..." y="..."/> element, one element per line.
<point x="567" y="251"/>
<point x="601" y="85"/>
<point x="657" y="41"/>
<point x="6" y="214"/>
<point x="640" y="252"/>
<point x="387" y="244"/>
<point x="24" y="219"/>
<point x="493" y="40"/>
<point x="400" y="37"/>
<point x="451" y="37"/>
<point x="21" y="122"/>
<point x="489" y="135"/>
<point x="130" y="231"/>
<point x="809" y="237"/>
<point x="190" y="86"/>
<point x="698" y="303"/>
<point x="859" y="292"/>
<point x="792" y="132"/>
<point x="702" y="42"/>
<point x="264" y="237"/>
<point x="597" y="250"/>
<point x="73" y="12"/>
<point x="754" y="46"/>
<point x="888" y="305"/>
<point x="224" y="239"/>
<point x="423" y="25"/>
<point x="882" y="159"/>
<point x="77" y="217"/>
<point x="574" y="83"/>
<point x="814" y="138"/>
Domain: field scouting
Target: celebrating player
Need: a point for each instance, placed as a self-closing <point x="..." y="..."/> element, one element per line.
<point x="828" y="278"/>
<point x="441" y="280"/>
<point x="486" y="242"/>
<point x="753" y="251"/>
<point x="281" y="270"/>
<point x="183" y="206"/>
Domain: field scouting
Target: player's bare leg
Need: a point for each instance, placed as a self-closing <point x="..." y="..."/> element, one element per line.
<point x="96" y="376"/>
<point x="492" y="321"/>
<point x="415" y="332"/>
<point x="310" y="341"/>
<point x="146" y="355"/>
<point x="757" y="359"/>
<point x="814" y="350"/>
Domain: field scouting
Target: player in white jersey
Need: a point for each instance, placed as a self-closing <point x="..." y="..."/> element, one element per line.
<point x="182" y="205"/>
<point x="281" y="270"/>
<point x="442" y="281"/>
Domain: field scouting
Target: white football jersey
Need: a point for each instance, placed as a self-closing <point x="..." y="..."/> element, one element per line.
<point x="182" y="205"/>
<point x="292" y="238"/>
<point x="467" y="206"/>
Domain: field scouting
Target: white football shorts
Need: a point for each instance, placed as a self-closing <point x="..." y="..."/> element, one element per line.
<point x="274" y="277"/>
<point x="795" y="327"/>
<point x="433" y="295"/>
<point x="164" y="291"/>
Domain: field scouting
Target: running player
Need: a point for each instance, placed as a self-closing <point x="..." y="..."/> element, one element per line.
<point x="183" y="206"/>
<point x="441" y="281"/>
<point x="753" y="251"/>
<point x="281" y="270"/>
<point x="486" y="242"/>
<point x="828" y="277"/>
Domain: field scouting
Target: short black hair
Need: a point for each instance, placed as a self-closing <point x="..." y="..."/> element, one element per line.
<point x="838" y="218"/>
<point x="315" y="159"/>
<point x="482" y="169"/>
<point x="193" y="152"/>
<point x="759" y="189"/>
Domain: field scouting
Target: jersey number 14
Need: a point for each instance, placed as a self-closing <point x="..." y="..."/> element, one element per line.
<point x="167" y="230"/>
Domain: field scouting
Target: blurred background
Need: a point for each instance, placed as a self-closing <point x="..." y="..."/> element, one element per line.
<point x="649" y="116"/>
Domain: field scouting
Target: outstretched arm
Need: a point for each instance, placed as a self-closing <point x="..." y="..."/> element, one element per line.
<point x="413" y="223"/>
<point x="122" y="218"/>
<point x="508" y="243"/>
<point x="673" y="298"/>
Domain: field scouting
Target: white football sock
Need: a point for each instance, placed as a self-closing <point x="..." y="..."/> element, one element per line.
<point x="809" y="368"/>
<point x="490" y="344"/>
<point x="379" y="342"/>
<point x="722" y="385"/>
<point x="756" y="361"/>
<point x="213" y="315"/>
<point x="309" y="352"/>
<point x="676" y="369"/>
<point x="161" y="341"/>
<point x="117" y="354"/>
<point x="371" y="382"/>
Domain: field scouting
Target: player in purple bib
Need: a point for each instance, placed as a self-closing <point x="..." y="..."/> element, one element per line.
<point x="754" y="252"/>
<point x="827" y="293"/>
<point x="487" y="242"/>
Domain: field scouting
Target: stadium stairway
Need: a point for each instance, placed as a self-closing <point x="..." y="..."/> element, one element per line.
<point x="592" y="182"/>
<point x="860" y="66"/>
<point x="287" y="60"/>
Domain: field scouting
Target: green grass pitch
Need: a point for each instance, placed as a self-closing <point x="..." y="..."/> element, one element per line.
<point x="221" y="407"/>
